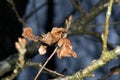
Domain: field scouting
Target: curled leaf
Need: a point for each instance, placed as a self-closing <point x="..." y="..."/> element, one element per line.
<point x="64" y="41"/>
<point x="65" y="49"/>
<point x="53" y="36"/>
<point x="42" y="50"/>
<point x="28" y="33"/>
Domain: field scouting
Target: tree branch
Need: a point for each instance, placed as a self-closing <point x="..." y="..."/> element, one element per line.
<point x="9" y="63"/>
<point x="16" y="12"/>
<point x="95" y="64"/>
<point x="78" y="6"/>
<point x="80" y="23"/>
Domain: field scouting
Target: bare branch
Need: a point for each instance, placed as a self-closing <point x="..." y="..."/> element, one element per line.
<point x="48" y="59"/>
<point x="9" y="63"/>
<point x="78" y="6"/>
<point x="16" y="12"/>
<point x="80" y="23"/>
<point x="95" y="64"/>
<point x="39" y="65"/>
<point x="113" y="70"/>
<point x="105" y="34"/>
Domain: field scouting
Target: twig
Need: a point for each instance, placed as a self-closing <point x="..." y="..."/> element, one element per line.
<point x="16" y="12"/>
<point x="106" y="26"/>
<point x="21" y="47"/>
<point x="54" y="72"/>
<point x="45" y="63"/>
<point x="33" y="64"/>
<point x="113" y="70"/>
<point x="95" y="25"/>
<point x="78" y="6"/>
<point x="9" y="63"/>
<point x="107" y="76"/>
<point x="34" y="11"/>
<point x="81" y="22"/>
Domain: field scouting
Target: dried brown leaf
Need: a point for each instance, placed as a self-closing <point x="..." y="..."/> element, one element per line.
<point x="65" y="49"/>
<point x="64" y="41"/>
<point x="53" y="36"/>
<point x="28" y="33"/>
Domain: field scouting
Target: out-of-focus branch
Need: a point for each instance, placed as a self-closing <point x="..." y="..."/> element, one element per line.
<point x="113" y="70"/>
<point x="80" y="23"/>
<point x="20" y="45"/>
<point x="9" y="63"/>
<point x="96" y="25"/>
<point x="78" y="6"/>
<point x="46" y="70"/>
<point x="16" y="12"/>
<point x="34" y="11"/>
<point x="107" y="56"/>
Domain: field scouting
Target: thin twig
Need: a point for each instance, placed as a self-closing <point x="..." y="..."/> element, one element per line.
<point x="54" y="72"/>
<point x="107" y="76"/>
<point x="45" y="63"/>
<point x="81" y="22"/>
<point x="106" y="26"/>
<point x="33" y="64"/>
<point x="34" y="11"/>
<point x="95" y="25"/>
<point x="16" y="12"/>
<point x="78" y="6"/>
<point x="113" y="70"/>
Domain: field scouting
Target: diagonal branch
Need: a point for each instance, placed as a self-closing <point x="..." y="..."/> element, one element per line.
<point x="78" y="6"/>
<point x="16" y="12"/>
<point x="9" y="63"/>
<point x="106" y="57"/>
<point x="80" y="23"/>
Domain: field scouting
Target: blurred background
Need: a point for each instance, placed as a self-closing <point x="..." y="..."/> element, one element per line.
<point x="42" y="16"/>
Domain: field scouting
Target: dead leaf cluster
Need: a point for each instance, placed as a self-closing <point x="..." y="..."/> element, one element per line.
<point x="56" y="35"/>
<point x="53" y="36"/>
